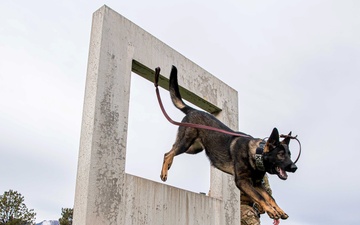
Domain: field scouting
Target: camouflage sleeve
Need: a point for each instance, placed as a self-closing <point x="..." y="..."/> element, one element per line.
<point x="249" y="216"/>
<point x="267" y="184"/>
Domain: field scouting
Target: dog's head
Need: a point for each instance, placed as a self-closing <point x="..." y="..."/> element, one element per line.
<point x="277" y="156"/>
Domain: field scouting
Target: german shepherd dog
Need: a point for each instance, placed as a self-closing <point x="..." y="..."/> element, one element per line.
<point x="234" y="155"/>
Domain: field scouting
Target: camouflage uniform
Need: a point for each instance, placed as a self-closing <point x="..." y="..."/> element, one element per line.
<point x="249" y="213"/>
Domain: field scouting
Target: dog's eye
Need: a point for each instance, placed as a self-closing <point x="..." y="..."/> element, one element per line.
<point x="281" y="154"/>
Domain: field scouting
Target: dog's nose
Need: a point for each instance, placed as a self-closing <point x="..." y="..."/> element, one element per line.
<point x="292" y="168"/>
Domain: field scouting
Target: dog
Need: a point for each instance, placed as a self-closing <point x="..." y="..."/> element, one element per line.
<point x="244" y="157"/>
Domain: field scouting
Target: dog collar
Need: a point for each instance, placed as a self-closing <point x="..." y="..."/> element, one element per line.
<point x="259" y="162"/>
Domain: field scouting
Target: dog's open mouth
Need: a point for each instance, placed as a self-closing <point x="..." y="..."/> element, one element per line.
<point x="281" y="173"/>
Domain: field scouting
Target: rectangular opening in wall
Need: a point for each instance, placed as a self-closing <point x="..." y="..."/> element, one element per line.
<point x="150" y="136"/>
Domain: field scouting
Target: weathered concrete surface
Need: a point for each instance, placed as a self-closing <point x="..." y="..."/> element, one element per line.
<point x="105" y="194"/>
<point x="169" y="205"/>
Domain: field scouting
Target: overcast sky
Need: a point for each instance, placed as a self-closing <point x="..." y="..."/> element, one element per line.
<point x="295" y="65"/>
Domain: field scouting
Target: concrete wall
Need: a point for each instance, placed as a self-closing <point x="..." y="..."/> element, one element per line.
<point x="105" y="194"/>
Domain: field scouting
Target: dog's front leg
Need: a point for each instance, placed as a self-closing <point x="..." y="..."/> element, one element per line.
<point x="245" y="185"/>
<point x="271" y="201"/>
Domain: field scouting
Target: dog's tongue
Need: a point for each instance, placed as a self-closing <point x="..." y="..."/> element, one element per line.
<point x="283" y="173"/>
<point x="276" y="222"/>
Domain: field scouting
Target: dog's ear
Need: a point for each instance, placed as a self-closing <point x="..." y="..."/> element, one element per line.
<point x="273" y="141"/>
<point x="287" y="139"/>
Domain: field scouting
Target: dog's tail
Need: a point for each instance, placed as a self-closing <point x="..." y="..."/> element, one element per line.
<point x="175" y="93"/>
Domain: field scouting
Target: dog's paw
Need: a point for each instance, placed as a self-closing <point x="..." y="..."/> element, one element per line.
<point x="163" y="177"/>
<point x="284" y="216"/>
<point x="273" y="214"/>
<point x="280" y="212"/>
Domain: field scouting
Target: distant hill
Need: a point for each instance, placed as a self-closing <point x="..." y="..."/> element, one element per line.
<point x="49" y="222"/>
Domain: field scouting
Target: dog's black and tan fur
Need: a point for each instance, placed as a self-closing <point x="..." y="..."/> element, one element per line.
<point x="230" y="154"/>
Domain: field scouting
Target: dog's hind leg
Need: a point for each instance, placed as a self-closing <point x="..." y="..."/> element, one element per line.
<point x="168" y="159"/>
<point x="196" y="147"/>
<point x="187" y="144"/>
